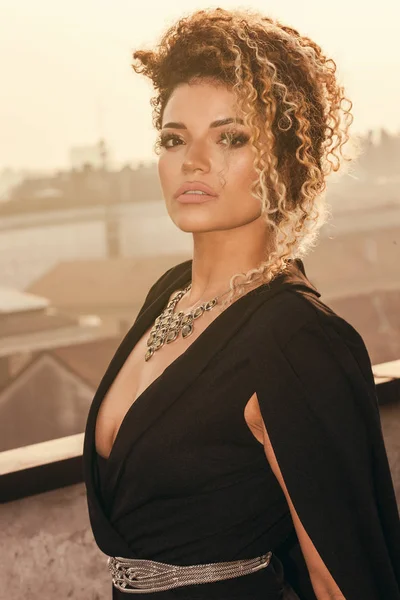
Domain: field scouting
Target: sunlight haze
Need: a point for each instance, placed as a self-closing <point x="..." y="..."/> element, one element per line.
<point x="67" y="80"/>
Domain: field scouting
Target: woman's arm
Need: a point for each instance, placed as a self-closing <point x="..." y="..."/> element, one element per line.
<point x="322" y="581"/>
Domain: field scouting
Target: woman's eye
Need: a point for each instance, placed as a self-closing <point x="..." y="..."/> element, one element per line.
<point x="235" y="140"/>
<point x="167" y="138"/>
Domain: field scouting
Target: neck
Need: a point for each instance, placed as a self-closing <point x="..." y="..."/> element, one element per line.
<point x="218" y="255"/>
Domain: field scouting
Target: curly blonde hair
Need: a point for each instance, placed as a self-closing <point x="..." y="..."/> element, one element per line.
<point x="289" y="94"/>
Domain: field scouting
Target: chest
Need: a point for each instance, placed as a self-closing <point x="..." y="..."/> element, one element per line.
<point x="201" y="439"/>
<point x="135" y="377"/>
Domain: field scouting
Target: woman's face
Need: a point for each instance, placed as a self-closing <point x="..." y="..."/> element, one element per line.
<point x="197" y="149"/>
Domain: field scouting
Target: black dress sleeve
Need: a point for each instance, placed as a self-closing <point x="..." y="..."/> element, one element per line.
<point x="318" y="401"/>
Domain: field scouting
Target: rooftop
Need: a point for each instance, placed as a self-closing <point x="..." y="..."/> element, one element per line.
<point x="102" y="283"/>
<point x="14" y="301"/>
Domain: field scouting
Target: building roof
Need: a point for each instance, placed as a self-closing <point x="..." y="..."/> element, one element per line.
<point x="33" y="322"/>
<point x="102" y="283"/>
<point x="43" y="329"/>
<point x="53" y="400"/>
<point x="88" y="360"/>
<point x="14" y="301"/>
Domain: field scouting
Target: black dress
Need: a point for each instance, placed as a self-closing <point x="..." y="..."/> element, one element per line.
<point x="186" y="481"/>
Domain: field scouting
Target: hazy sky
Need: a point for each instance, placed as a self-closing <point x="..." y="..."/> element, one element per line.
<point x="66" y="78"/>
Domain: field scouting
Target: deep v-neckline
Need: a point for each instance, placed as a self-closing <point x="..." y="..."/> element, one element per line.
<point x="170" y="367"/>
<point x="142" y="394"/>
<point x="165" y="294"/>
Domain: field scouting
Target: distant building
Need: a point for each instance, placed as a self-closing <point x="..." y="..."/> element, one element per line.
<point x="32" y="243"/>
<point x="9" y="178"/>
<point x="50" y="365"/>
<point x="29" y="324"/>
<point x="95" y="155"/>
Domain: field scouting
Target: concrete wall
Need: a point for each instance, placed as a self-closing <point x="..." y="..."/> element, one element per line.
<point x="47" y="549"/>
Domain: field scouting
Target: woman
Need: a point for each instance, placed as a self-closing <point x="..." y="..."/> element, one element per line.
<point x="234" y="448"/>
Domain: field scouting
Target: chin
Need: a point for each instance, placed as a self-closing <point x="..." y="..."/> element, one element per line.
<point x="193" y="221"/>
<point x="191" y="226"/>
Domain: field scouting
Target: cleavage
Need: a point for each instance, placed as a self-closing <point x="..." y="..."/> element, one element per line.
<point x="138" y="375"/>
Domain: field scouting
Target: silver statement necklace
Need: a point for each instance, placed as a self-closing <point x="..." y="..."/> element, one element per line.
<point x="168" y="325"/>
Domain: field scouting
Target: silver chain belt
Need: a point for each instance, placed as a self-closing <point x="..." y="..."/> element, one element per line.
<point x="138" y="576"/>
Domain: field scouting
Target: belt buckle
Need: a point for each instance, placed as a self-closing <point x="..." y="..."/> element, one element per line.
<point x="118" y="575"/>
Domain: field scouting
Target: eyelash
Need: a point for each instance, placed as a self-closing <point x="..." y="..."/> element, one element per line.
<point x="164" y="138"/>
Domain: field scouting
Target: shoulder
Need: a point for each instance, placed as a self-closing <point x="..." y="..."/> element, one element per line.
<point x="311" y="351"/>
<point x="298" y="336"/>
<point x="293" y="313"/>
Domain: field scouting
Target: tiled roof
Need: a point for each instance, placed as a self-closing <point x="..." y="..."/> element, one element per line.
<point x="89" y="360"/>
<point x="103" y="283"/>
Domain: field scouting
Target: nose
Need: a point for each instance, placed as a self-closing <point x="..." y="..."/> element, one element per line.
<point x="196" y="157"/>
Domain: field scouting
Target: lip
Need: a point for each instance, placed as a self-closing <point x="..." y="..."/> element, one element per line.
<point x="195" y="185"/>
<point x="194" y="198"/>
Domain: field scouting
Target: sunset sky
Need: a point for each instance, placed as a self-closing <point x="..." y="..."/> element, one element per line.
<point x="66" y="78"/>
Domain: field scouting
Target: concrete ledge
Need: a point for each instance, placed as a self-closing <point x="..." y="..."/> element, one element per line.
<point x="387" y="380"/>
<point x="40" y="467"/>
<point x="35" y="455"/>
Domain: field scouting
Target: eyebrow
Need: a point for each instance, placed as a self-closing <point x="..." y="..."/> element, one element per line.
<point x="219" y="123"/>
